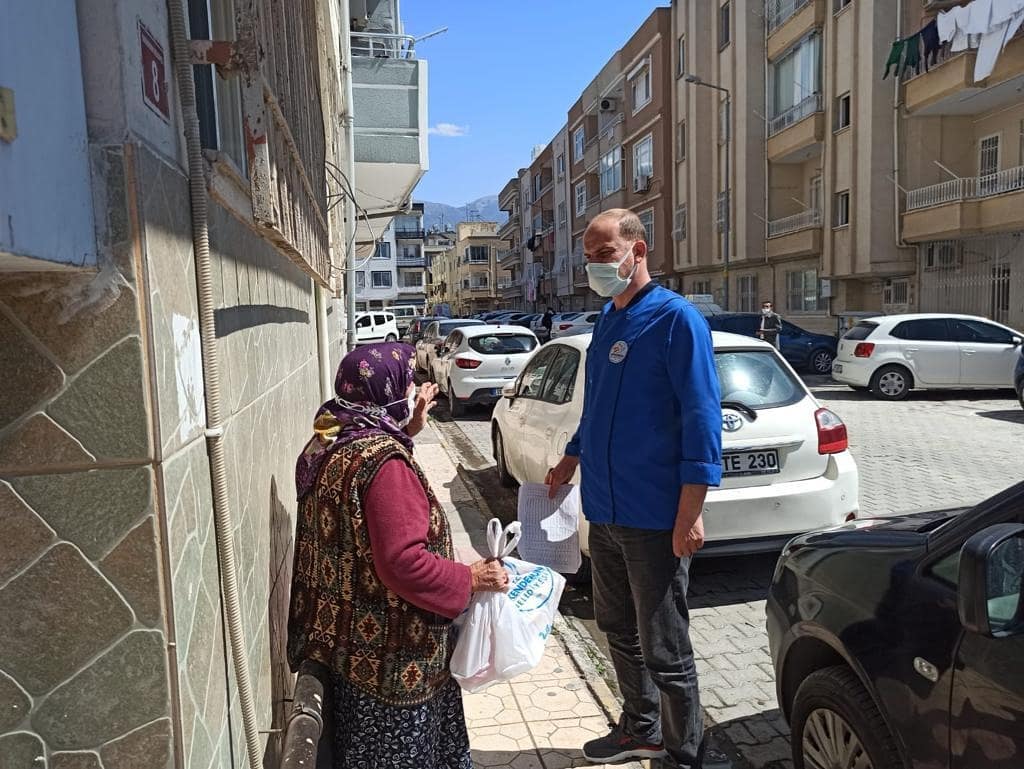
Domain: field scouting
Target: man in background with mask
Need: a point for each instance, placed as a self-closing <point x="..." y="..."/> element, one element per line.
<point x="771" y="324"/>
<point x="648" y="446"/>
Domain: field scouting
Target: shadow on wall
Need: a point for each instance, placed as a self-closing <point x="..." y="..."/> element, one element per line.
<point x="228" y="320"/>
<point x="280" y="579"/>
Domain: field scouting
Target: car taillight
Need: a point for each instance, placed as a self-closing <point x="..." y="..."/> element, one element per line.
<point x="467" y="363"/>
<point x="864" y="350"/>
<point x="564" y="326"/>
<point x="832" y="436"/>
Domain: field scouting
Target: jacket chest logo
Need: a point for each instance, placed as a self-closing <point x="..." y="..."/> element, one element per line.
<point x="618" y="352"/>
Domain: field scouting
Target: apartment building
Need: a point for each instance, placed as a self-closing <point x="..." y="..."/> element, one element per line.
<point x="562" y="288"/>
<point x="435" y="245"/>
<point x="620" y="148"/>
<point x="541" y="242"/>
<point x="410" y="259"/>
<point x="961" y="163"/>
<point x="510" y="258"/>
<point x="376" y="270"/>
<point x="475" y="271"/>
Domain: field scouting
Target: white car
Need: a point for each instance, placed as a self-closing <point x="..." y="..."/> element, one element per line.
<point x="433" y="337"/>
<point x="376" y="326"/>
<point x="582" y="323"/>
<point x="785" y="459"/>
<point x="477" y="362"/>
<point x="893" y="354"/>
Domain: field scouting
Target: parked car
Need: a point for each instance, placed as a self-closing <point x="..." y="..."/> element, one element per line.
<point x="476" y="362"/>
<point x="581" y="323"/>
<point x="537" y="326"/>
<point x="376" y="326"/>
<point x="1018" y="377"/>
<point x="893" y="354"/>
<point x="786" y="465"/>
<point x="418" y="325"/>
<point x="433" y="337"/>
<point x="899" y="642"/>
<point x="404" y="314"/>
<point x="805" y="350"/>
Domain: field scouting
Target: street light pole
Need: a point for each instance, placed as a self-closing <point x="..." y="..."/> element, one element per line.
<point x="727" y="214"/>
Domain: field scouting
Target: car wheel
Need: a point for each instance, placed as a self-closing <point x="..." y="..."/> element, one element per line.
<point x="837" y="726"/>
<point x="391" y="338"/>
<point x="821" y="362"/>
<point x="504" y="476"/>
<point x="891" y="383"/>
<point x="455" y="406"/>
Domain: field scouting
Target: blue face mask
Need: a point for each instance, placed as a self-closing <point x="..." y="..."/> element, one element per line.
<point x="604" y="278"/>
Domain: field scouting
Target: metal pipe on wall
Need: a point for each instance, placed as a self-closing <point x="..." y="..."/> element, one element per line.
<point x="223" y="524"/>
<point x="350" y="172"/>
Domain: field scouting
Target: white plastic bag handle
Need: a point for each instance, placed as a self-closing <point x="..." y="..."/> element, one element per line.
<point x="502" y="541"/>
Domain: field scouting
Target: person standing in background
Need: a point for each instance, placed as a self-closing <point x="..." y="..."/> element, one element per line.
<point x="771" y="324"/>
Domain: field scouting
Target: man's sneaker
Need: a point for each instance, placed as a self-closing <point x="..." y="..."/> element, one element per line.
<point x="617" y="747"/>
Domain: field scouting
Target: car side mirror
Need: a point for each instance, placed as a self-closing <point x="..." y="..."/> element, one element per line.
<point x="990" y="576"/>
<point x="1017" y="341"/>
<point x="509" y="391"/>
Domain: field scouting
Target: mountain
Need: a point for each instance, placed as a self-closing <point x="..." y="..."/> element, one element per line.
<point x="483" y="209"/>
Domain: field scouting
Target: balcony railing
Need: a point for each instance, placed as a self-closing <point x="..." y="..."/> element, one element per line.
<point x="778" y="12"/>
<point x="967" y="188"/>
<point x="788" y="224"/>
<point x="607" y="129"/>
<point x="410" y="260"/>
<point x="795" y="114"/>
<point x="383" y="45"/>
<point x="409" y="234"/>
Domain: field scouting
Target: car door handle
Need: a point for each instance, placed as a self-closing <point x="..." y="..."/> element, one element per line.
<point x="549" y="432"/>
<point x="912" y="349"/>
<point x="969" y="352"/>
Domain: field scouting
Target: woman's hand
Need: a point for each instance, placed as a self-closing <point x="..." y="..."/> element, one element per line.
<point x="426" y="399"/>
<point x="488" y="575"/>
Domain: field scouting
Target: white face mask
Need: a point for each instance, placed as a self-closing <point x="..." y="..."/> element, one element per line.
<point x="604" y="277"/>
<point x="766" y="310"/>
<point x="410" y="407"/>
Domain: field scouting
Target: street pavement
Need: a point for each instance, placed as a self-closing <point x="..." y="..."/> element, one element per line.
<point x="934" y="450"/>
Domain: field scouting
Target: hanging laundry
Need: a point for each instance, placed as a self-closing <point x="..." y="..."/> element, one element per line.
<point x="895" y="58"/>
<point x="994" y="41"/>
<point x="946" y="23"/>
<point x="913" y="57"/>
<point x="979" y="17"/>
<point x="930" y="42"/>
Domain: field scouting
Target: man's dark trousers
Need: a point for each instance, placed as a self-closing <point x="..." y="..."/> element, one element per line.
<point x="640" y="604"/>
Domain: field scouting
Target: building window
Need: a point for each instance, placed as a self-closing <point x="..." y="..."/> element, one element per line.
<point x="380" y="279"/>
<point x="383" y="250"/>
<point x="896" y="292"/>
<point x="412" y="280"/>
<point x="681" y="141"/>
<point x="219" y="100"/>
<point x="410" y="252"/>
<point x="647" y="220"/>
<point x="611" y="171"/>
<point x="724" y="25"/>
<point x="643" y="159"/>
<point x="941" y="255"/>
<point x="842" y="214"/>
<point x="838" y="5"/>
<point x="560" y="165"/>
<point x="679" y="229"/>
<point x="842" y="111"/>
<point x="795" y="84"/>
<point x="802" y="291"/>
<point x="640" y="86"/>
<point x="723" y="121"/>
<point x="722" y="211"/>
<point x="815" y="193"/>
<point x="538" y="223"/>
<point x="563" y="216"/>
<point x="681" y="56"/>
<point x="478" y="253"/>
<point x="581" y="198"/>
<point x="988" y="155"/>
<point x="579" y="139"/>
<point x="701" y="287"/>
<point x="360" y="280"/>
<point x="748" y="293"/>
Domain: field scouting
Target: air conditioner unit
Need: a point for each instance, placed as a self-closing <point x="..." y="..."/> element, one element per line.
<point x="608" y="105"/>
<point x="641" y="183"/>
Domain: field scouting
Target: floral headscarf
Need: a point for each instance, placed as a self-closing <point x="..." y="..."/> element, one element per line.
<point x="371" y="388"/>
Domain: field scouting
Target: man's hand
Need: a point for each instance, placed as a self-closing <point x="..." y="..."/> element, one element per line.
<point x="687" y="541"/>
<point x="426" y="399"/>
<point x="560" y="474"/>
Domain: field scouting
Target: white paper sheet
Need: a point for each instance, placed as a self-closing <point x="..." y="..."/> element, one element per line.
<point x="550" y="535"/>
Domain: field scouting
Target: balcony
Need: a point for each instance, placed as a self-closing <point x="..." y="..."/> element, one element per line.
<point x="411" y="260"/>
<point x="508" y="258"/>
<point x="509" y="228"/>
<point x="967" y="206"/>
<point x="798" y="133"/>
<point x="949" y="87"/>
<point x="476" y="289"/>
<point x="509" y="195"/>
<point x="389" y="101"/>
<point x="789" y="20"/>
<point x="512" y="290"/>
<point x="797" y="235"/>
<point x="409" y="234"/>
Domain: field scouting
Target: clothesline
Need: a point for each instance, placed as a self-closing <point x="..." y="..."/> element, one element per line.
<point x="985" y="25"/>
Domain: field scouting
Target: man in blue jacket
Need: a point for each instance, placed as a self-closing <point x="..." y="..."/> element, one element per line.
<point x="648" y="446"/>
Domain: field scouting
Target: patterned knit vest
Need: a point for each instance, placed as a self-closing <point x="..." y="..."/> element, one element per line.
<point x="341" y="614"/>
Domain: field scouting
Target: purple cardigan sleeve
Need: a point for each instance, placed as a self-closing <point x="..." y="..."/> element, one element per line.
<point x="398" y="515"/>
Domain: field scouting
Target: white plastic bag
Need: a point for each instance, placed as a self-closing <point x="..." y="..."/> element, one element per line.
<point x="503" y="634"/>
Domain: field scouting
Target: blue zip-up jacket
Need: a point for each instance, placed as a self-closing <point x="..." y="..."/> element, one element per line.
<point x="652" y="417"/>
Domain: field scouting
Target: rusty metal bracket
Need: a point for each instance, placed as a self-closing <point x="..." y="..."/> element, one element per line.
<point x="223" y="54"/>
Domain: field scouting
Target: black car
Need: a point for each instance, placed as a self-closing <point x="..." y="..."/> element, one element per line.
<point x="418" y="325"/>
<point x="1018" y="377"/>
<point x="804" y="350"/>
<point x="899" y="643"/>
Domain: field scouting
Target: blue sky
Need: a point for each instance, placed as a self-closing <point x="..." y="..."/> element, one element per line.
<point x="503" y="78"/>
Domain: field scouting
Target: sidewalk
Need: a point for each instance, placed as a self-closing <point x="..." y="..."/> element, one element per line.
<point x="539" y="720"/>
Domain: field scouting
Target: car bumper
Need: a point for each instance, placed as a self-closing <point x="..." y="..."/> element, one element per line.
<point x="763" y="518"/>
<point x="480" y="390"/>
<point x="854" y="373"/>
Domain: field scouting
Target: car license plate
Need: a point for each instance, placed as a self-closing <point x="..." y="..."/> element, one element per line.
<point x="837" y="367"/>
<point x="496" y="392"/>
<point x="741" y="463"/>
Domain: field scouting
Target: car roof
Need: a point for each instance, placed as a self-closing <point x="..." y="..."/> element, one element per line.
<point x="924" y="316"/>
<point x="491" y="328"/>
<point x="722" y="340"/>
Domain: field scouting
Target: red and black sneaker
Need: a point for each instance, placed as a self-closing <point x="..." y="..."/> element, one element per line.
<point x="617" y="747"/>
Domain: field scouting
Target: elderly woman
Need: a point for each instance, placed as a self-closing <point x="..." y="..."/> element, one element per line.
<point x="375" y="584"/>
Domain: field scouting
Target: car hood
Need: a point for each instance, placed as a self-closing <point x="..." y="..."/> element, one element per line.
<point x="897" y="531"/>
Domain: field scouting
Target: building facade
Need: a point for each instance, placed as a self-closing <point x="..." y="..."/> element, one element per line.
<point x="410" y="240"/>
<point x="475" y="268"/>
<point x="510" y="259"/>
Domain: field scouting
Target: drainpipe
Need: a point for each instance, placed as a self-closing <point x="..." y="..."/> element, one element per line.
<point x="897" y="229"/>
<point x="211" y="381"/>
<point x="323" y="350"/>
<point x="350" y="173"/>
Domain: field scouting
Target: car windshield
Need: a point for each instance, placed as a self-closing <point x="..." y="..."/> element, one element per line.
<point x="568" y="316"/>
<point x="861" y="331"/>
<point x="450" y="325"/>
<point x="757" y="379"/>
<point x="502" y="344"/>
